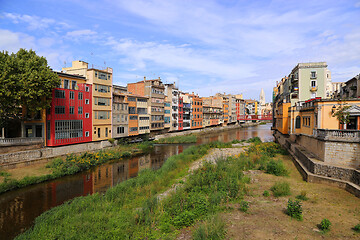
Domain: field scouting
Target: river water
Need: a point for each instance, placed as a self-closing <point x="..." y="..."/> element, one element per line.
<point x="19" y="208"/>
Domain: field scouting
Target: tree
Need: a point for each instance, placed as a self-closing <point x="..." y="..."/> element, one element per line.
<point x="26" y="81"/>
<point x="342" y="114"/>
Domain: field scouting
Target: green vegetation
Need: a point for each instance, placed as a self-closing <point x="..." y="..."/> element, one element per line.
<point x="4" y="174"/>
<point x="213" y="228"/>
<point x="131" y="209"/>
<point x="281" y="189"/>
<point x="26" y="80"/>
<point x="276" y="168"/>
<point x="294" y="209"/>
<point x="325" y="225"/>
<point x="357" y="228"/>
<point x="77" y="163"/>
<point x="244" y="206"/>
<point x="266" y="193"/>
<point x="191" y="138"/>
<point x="302" y="196"/>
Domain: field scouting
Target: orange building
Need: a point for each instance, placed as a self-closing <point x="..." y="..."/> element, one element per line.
<point x="196" y="111"/>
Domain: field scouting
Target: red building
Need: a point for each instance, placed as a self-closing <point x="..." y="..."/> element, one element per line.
<point x="69" y="120"/>
<point x="181" y="114"/>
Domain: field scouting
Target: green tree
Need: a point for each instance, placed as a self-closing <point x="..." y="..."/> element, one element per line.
<point x="26" y="80"/>
<point x="341" y="114"/>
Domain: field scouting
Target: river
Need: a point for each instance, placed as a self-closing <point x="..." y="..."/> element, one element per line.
<point x="19" y="208"/>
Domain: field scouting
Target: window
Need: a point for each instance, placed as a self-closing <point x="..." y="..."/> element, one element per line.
<point x="133" y="129"/>
<point x="132" y="110"/>
<point x="87" y="89"/>
<point x="102" y="88"/>
<point x="87" y="134"/>
<point x="103" y="76"/>
<point x="313" y="83"/>
<point x="48" y="130"/>
<point x="131" y="99"/>
<point x="102" y="101"/>
<point x="65" y="129"/>
<point x="132" y="117"/>
<point x="87" y="115"/>
<point x="87" y="101"/>
<point x="80" y="96"/>
<point x="71" y="110"/>
<point x="59" y="109"/>
<point x="142" y="100"/>
<point x="80" y="110"/>
<point x="144" y="128"/>
<point x="66" y="84"/>
<point x="59" y="94"/>
<point x="144" y="118"/>
<point x="298" y="122"/>
<point x="120" y="130"/>
<point x="72" y="95"/>
<point x="106" y="132"/>
<point x="313" y="74"/>
<point x="102" y="115"/>
<point x="73" y="85"/>
<point x="99" y="132"/>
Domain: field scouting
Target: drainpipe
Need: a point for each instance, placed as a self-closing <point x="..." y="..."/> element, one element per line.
<point x="2" y="132"/>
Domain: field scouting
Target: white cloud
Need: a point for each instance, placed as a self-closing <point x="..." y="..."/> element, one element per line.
<point x="80" y="33"/>
<point x="34" y="22"/>
<point x="13" y="41"/>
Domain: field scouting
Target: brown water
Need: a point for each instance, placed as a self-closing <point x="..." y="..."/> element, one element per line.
<point x="19" y="208"/>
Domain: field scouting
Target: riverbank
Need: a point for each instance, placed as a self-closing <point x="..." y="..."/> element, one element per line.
<point x="11" y="179"/>
<point x="233" y="189"/>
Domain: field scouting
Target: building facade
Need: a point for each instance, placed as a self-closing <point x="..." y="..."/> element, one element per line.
<point x="120" y="112"/>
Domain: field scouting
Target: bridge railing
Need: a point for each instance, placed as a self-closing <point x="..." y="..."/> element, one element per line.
<point x="254" y="117"/>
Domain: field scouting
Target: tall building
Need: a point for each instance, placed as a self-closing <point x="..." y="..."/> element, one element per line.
<point x="196" y="112"/>
<point x="186" y="111"/>
<point x="154" y="90"/>
<point x="68" y="120"/>
<point x="172" y="93"/>
<point x="120" y="112"/>
<point x="101" y="81"/>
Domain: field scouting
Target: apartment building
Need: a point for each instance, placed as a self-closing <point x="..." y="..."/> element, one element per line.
<point x="142" y="110"/>
<point x="167" y="113"/>
<point x="181" y="113"/>
<point x="196" y="112"/>
<point x="172" y="93"/>
<point x="120" y="112"/>
<point x="154" y="90"/>
<point x="101" y="80"/>
<point x="186" y="111"/>
<point x="240" y="109"/>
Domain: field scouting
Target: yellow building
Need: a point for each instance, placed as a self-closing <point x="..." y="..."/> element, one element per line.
<point x="102" y="97"/>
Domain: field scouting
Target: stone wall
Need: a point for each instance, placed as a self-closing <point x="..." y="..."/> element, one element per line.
<point x="11" y="160"/>
<point x="314" y="170"/>
<point x="342" y="153"/>
<point x="313" y="145"/>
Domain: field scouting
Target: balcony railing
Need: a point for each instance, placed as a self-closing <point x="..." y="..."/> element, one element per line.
<point x="313" y="89"/>
<point x="338" y="135"/>
<point x="20" y="141"/>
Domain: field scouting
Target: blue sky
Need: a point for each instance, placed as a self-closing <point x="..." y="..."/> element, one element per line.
<point x="205" y="46"/>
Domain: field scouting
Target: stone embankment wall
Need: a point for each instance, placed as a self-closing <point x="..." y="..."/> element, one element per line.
<point x="12" y="160"/>
<point x="315" y="170"/>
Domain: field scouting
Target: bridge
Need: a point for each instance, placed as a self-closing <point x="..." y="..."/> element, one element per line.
<point x="255" y="117"/>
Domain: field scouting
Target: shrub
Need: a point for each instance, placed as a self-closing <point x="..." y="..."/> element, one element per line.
<point x="294" y="209"/>
<point x="357" y="228"/>
<point x="126" y="155"/>
<point x="302" y="196"/>
<point x="111" y="140"/>
<point x="254" y="140"/>
<point x="325" y="224"/>
<point x="281" y="189"/>
<point x="276" y="168"/>
<point x="266" y="193"/>
<point x="4" y="174"/>
<point x="244" y="206"/>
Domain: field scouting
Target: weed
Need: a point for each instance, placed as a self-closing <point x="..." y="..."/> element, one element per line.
<point x="302" y="196"/>
<point x="266" y="193"/>
<point x="191" y="138"/>
<point x="244" y="206"/>
<point x="276" y="168"/>
<point x="357" y="228"/>
<point x="294" y="209"/>
<point x="213" y="228"/>
<point x="281" y="189"/>
<point x="4" y="174"/>
<point x="325" y="225"/>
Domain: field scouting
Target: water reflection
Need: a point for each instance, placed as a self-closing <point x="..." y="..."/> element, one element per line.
<point x="18" y="209"/>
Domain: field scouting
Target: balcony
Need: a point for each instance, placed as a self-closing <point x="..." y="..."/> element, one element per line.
<point x="337" y="135"/>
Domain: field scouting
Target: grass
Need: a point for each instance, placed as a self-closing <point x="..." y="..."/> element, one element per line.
<point x="190" y="138"/>
<point x="131" y="210"/>
<point x="280" y="189"/>
<point x="73" y="164"/>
